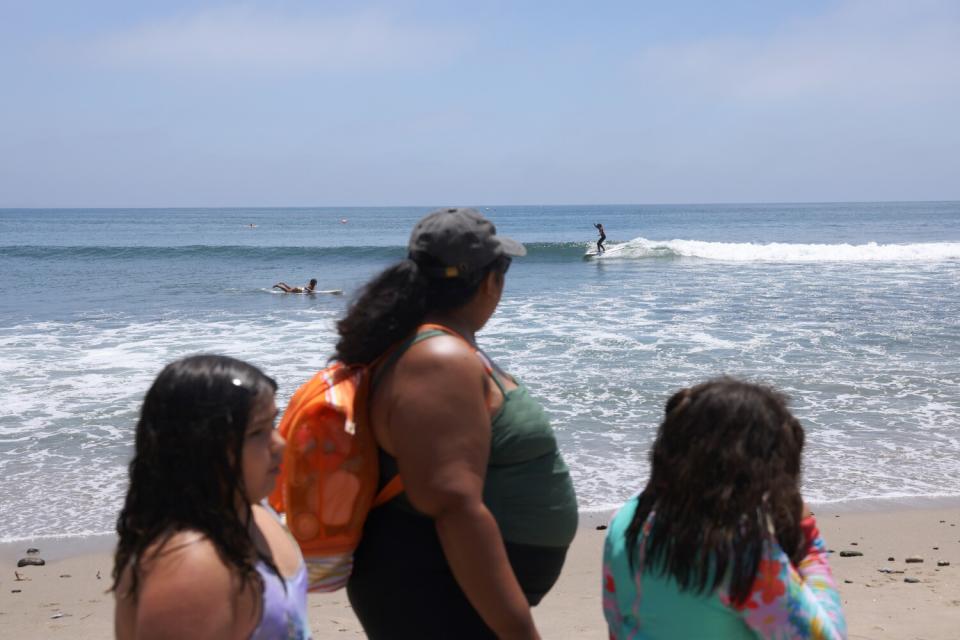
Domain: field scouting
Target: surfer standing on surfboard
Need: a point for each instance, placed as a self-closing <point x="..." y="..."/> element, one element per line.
<point x="603" y="236"/>
<point x="283" y="286"/>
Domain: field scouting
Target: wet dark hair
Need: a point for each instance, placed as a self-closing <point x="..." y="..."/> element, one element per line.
<point x="392" y="305"/>
<point x="726" y="459"/>
<point x="187" y="466"/>
<point x="313" y="282"/>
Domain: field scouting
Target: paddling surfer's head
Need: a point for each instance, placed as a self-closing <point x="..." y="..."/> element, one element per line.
<point x="725" y="473"/>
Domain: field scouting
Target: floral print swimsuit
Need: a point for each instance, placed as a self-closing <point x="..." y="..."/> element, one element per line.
<point x="786" y="602"/>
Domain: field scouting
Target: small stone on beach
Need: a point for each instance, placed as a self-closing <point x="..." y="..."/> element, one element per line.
<point x="850" y="554"/>
<point x="914" y="559"/>
<point x="911" y="580"/>
<point x="943" y="563"/>
<point x="890" y="570"/>
<point x="936" y="548"/>
<point x="28" y="562"/>
<point x="14" y="590"/>
<point x="65" y="575"/>
<point x="601" y="527"/>
<point x="891" y="559"/>
<point x="32" y="551"/>
<point x="849" y="581"/>
<point x="854" y="543"/>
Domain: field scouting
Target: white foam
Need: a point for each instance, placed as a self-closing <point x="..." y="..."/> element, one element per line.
<point x="784" y="252"/>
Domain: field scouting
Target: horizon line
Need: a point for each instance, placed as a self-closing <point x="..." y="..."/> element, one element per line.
<point x="486" y="206"/>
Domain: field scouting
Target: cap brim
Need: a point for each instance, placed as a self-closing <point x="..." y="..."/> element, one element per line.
<point x="511" y="247"/>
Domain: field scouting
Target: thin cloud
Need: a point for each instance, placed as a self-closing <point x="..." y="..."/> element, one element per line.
<point x="863" y="50"/>
<point x="247" y="38"/>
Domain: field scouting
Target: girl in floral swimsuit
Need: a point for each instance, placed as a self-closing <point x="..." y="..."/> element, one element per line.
<point x="719" y="543"/>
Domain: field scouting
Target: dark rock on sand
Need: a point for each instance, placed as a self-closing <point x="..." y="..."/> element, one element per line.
<point x="601" y="527"/>
<point x="912" y="580"/>
<point x="850" y="554"/>
<point x="28" y="562"/>
<point x="890" y="570"/>
<point x="891" y="559"/>
<point x="943" y="563"/>
<point x="31" y="551"/>
<point x="914" y="559"/>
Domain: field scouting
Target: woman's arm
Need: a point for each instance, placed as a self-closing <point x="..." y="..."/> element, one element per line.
<point x="439" y="429"/>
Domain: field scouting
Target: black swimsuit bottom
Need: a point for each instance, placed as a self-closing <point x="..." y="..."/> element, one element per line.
<point x="402" y="587"/>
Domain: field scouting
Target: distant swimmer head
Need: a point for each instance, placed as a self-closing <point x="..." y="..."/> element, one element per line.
<point x="313" y="282"/>
<point x="459" y="243"/>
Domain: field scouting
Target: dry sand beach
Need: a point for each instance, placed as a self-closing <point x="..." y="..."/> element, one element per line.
<point x="66" y="598"/>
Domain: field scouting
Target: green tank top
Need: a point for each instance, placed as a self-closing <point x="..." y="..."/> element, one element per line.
<point x="527" y="487"/>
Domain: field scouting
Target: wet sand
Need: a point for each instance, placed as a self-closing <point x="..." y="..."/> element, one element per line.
<point x="66" y="599"/>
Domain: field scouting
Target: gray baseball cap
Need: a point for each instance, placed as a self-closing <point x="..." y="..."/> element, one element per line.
<point x="461" y="240"/>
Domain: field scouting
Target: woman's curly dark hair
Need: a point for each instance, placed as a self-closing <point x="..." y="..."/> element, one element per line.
<point x="186" y="472"/>
<point x="726" y="459"/>
<point x="391" y="306"/>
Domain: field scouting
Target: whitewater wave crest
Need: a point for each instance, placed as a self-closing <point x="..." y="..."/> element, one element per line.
<point x="785" y="252"/>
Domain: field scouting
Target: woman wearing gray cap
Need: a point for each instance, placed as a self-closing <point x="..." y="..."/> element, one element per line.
<point x="488" y="510"/>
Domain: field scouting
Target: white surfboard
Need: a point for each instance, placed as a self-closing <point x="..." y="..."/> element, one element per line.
<point x="330" y="292"/>
<point x="592" y="254"/>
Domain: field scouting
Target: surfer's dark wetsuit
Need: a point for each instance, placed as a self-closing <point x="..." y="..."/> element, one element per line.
<point x="603" y="236"/>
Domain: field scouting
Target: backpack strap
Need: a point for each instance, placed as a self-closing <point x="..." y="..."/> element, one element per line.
<point x="391" y="490"/>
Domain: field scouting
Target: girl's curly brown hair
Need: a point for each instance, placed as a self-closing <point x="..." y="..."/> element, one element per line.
<point x="726" y="459"/>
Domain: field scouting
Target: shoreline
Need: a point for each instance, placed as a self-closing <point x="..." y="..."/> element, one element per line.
<point x="66" y="599"/>
<point x="63" y="547"/>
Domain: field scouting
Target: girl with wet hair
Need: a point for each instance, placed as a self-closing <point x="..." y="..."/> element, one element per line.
<point x="719" y="543"/>
<point x="198" y="556"/>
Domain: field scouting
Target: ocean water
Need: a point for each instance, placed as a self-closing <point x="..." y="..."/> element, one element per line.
<point x="852" y="309"/>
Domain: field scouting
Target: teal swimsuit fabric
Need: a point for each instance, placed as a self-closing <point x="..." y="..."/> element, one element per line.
<point x="786" y="602"/>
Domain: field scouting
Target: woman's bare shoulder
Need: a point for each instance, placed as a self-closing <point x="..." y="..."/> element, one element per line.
<point x="441" y="355"/>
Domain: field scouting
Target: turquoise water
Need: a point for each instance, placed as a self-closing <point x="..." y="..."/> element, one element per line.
<point x="853" y="309"/>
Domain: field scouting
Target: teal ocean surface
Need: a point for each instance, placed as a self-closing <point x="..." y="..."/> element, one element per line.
<point x="852" y="309"/>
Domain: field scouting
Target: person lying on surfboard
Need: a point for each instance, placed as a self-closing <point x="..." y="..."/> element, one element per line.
<point x="283" y="286"/>
<point x="603" y="236"/>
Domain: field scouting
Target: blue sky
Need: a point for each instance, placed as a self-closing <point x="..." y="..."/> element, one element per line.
<point x="120" y="104"/>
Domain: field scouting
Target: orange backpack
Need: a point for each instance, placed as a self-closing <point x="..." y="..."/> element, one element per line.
<point x="330" y="472"/>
